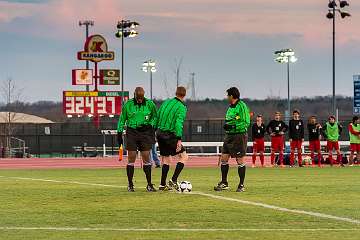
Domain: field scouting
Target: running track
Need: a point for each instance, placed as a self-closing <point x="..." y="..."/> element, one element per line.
<point x="90" y="163"/>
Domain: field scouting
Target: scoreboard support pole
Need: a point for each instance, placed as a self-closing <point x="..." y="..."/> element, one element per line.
<point x="96" y="76"/>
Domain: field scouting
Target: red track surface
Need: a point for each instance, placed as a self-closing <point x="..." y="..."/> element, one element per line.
<point x="90" y="163"/>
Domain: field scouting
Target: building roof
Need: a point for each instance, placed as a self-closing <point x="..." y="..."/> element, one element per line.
<point x="22" y="118"/>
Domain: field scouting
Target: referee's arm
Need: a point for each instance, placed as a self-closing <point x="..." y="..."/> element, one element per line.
<point x="244" y="114"/>
<point x="179" y="123"/>
<point x="122" y="120"/>
<point x="154" y="115"/>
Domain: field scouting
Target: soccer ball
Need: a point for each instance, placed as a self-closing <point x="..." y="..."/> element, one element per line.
<point x="185" y="186"/>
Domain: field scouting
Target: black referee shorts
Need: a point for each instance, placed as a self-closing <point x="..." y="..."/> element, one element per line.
<point x="235" y="145"/>
<point x="139" y="139"/>
<point x="168" y="143"/>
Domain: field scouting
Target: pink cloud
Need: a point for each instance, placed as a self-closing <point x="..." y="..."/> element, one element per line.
<point x="10" y="11"/>
<point x="264" y="17"/>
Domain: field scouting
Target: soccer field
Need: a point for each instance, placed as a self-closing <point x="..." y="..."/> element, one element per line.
<point x="300" y="203"/>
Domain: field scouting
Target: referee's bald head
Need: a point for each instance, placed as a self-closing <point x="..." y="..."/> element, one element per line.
<point x="139" y="94"/>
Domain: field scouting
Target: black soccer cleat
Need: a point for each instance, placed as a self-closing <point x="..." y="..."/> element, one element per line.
<point x="240" y="188"/>
<point x="221" y="186"/>
<point x="164" y="188"/>
<point x="131" y="188"/>
<point x="150" y="188"/>
<point x="174" y="185"/>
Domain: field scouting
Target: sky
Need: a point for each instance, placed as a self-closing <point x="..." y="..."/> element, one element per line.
<point x="225" y="43"/>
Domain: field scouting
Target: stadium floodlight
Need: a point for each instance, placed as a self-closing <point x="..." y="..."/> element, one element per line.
<point x="127" y="33"/>
<point x="343" y="4"/>
<point x="125" y="29"/>
<point x="149" y="66"/>
<point x="134" y="25"/>
<point x="86" y="22"/>
<point x="345" y="14"/>
<point x="286" y="56"/>
<point x="330" y="15"/>
<point x="332" y="4"/>
<point x="332" y="10"/>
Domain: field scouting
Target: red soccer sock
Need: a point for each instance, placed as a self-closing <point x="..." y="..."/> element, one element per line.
<point x="339" y="158"/>
<point x="272" y="158"/>
<point x="292" y="157"/>
<point x="281" y="158"/>
<point x="331" y="159"/>
<point x="262" y="159"/>
<point x="312" y="155"/>
<point x="300" y="158"/>
<point x="319" y="159"/>
<point x="253" y="158"/>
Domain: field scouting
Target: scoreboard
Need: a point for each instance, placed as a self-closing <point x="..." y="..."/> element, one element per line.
<point x="356" y="107"/>
<point x="94" y="103"/>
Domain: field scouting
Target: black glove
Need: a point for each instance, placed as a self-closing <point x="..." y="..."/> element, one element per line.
<point x="228" y="127"/>
<point x="120" y="139"/>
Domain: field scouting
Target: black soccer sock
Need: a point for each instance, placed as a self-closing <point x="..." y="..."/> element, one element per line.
<point x="178" y="169"/>
<point x="147" y="171"/>
<point x="224" y="172"/>
<point x="130" y="174"/>
<point x="164" y="172"/>
<point x="241" y="172"/>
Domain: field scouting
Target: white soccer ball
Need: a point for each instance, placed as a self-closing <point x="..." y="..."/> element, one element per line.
<point x="185" y="186"/>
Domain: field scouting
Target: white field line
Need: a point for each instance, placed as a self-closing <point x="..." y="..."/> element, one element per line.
<point x="76" y="229"/>
<point x="257" y="204"/>
<point x="67" y="182"/>
<point x="282" y="209"/>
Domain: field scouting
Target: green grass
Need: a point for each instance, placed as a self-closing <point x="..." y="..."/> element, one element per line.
<point x="26" y="203"/>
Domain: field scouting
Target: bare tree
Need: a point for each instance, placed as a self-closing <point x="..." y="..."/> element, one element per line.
<point x="177" y="70"/>
<point x="166" y="86"/>
<point x="11" y="95"/>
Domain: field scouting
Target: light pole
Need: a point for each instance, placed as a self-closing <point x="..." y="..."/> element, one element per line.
<point x="126" y="28"/>
<point x="86" y="23"/>
<point x="333" y="8"/>
<point x="149" y="66"/>
<point x="286" y="56"/>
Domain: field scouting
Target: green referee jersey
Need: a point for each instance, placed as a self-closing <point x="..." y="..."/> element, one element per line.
<point x="171" y="116"/>
<point x="238" y="118"/>
<point x="135" y="115"/>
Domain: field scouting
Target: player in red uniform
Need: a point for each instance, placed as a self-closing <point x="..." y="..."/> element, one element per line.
<point x="354" y="132"/>
<point x="258" y="133"/>
<point x="296" y="137"/>
<point x="277" y="129"/>
<point x="314" y="129"/>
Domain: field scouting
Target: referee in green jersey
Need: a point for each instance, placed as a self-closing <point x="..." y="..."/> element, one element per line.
<point x="138" y="116"/>
<point x="237" y="122"/>
<point x="171" y="117"/>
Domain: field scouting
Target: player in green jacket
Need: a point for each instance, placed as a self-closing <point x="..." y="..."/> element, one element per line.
<point x="171" y="117"/>
<point x="138" y="116"/>
<point x="332" y="131"/>
<point x="237" y="122"/>
<point x="354" y="133"/>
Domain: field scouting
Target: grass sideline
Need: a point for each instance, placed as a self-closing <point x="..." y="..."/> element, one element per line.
<point x="106" y="212"/>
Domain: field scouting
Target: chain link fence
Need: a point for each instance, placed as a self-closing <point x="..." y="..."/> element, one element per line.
<point x="62" y="139"/>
